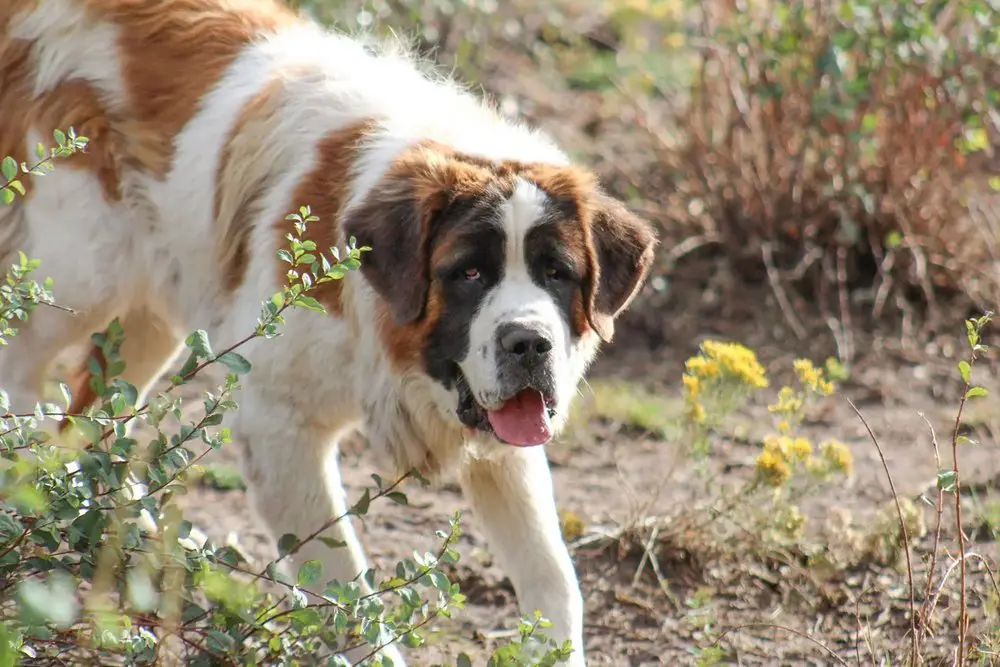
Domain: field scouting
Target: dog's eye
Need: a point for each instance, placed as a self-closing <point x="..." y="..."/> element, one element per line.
<point x="553" y="272"/>
<point x="471" y="274"/>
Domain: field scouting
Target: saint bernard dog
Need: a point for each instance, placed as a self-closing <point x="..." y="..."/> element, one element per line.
<point x="496" y="269"/>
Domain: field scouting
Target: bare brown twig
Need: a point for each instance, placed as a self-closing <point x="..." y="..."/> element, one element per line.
<point x="914" y="642"/>
<point x="927" y="611"/>
<point x="775" y="626"/>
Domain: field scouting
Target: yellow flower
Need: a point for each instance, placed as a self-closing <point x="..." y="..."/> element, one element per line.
<point x="572" y="525"/>
<point x="775" y="444"/>
<point x="737" y="360"/>
<point x="838" y="456"/>
<point x="812" y="377"/>
<point x="801" y="448"/>
<point x="784" y="427"/>
<point x="697" y="412"/>
<point x="703" y="367"/>
<point x="788" y="402"/>
<point x="692" y="386"/>
<point x="772" y="467"/>
<point x="817" y="467"/>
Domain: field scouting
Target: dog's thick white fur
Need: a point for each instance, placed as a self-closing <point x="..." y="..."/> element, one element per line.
<point x="210" y="121"/>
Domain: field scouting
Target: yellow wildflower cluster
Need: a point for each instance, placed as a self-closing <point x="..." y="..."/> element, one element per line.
<point x="789" y="403"/>
<point x="837" y="456"/>
<point x="812" y="377"/>
<point x="772" y="468"/>
<point x="717" y="362"/>
<point x="782" y="453"/>
<point x="736" y="360"/>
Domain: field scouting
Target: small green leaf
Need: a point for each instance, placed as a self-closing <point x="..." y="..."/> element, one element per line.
<point x="309" y="573"/>
<point x="331" y="542"/>
<point x="287" y="542"/>
<point x="309" y="303"/>
<point x="397" y="497"/>
<point x="976" y="392"/>
<point x="361" y="507"/>
<point x="971" y="333"/>
<point x="439" y="581"/>
<point x="198" y="343"/>
<point x="946" y="480"/>
<point x="9" y="168"/>
<point x="964" y="369"/>
<point x="7" y="196"/>
<point x="235" y="362"/>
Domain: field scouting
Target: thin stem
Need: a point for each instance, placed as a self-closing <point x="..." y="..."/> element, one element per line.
<point x="914" y="640"/>
<point x="926" y="611"/>
<point x="963" y="612"/>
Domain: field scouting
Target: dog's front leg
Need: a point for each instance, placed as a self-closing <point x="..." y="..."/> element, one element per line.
<point x="512" y="497"/>
<point x="294" y="479"/>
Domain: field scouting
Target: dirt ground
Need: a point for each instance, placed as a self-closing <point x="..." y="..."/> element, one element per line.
<point x="610" y="474"/>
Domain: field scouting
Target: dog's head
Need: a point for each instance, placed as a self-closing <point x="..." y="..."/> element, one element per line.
<point x="498" y="280"/>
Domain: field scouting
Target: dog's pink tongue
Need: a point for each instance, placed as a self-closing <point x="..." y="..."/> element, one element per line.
<point x="523" y="420"/>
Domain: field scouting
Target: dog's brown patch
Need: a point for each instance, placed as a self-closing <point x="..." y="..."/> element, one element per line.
<point x="72" y="103"/>
<point x="325" y="190"/>
<point x="172" y="53"/>
<point x="244" y="176"/>
<point x="621" y="251"/>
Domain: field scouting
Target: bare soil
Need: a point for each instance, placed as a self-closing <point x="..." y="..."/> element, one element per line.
<point x="611" y="474"/>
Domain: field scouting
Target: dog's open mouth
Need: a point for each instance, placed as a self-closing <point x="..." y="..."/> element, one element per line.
<point x="523" y="420"/>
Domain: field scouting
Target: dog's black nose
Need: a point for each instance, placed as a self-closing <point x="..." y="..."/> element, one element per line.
<point x="528" y="344"/>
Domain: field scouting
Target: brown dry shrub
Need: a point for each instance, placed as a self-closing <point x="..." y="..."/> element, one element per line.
<point x="848" y="143"/>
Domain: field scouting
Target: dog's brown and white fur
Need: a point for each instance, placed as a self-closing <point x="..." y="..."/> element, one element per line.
<point x="496" y="269"/>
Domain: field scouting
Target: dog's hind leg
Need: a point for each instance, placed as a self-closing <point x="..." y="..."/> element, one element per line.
<point x="512" y="498"/>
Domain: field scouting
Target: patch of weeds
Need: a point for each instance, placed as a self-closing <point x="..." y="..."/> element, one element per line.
<point x="222" y="478"/>
<point x="630" y="406"/>
<point x="701" y="617"/>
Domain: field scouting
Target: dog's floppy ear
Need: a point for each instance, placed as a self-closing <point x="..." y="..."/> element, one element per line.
<point x="621" y="254"/>
<point x="394" y="223"/>
<point x="397" y="220"/>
